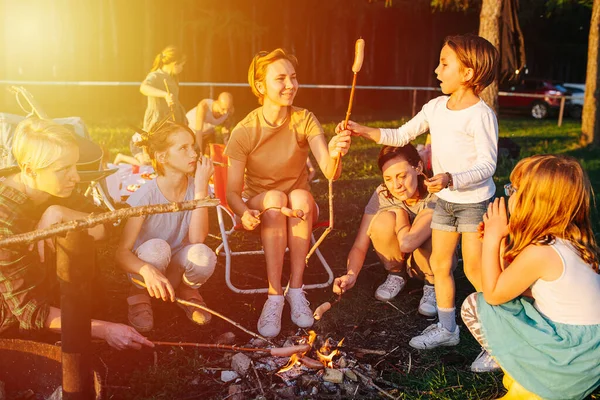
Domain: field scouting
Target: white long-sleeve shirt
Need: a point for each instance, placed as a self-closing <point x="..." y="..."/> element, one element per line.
<point x="463" y="142"/>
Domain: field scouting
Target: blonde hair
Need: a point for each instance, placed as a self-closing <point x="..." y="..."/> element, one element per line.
<point x="158" y="141"/>
<point x="167" y="56"/>
<point x="258" y="68"/>
<point x="478" y="54"/>
<point x="38" y="143"/>
<point x="552" y="200"/>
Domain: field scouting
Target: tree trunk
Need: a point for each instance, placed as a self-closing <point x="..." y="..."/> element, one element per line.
<point x="590" y="121"/>
<point x="489" y="28"/>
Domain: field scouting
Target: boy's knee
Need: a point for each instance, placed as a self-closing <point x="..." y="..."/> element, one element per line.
<point x="156" y="252"/>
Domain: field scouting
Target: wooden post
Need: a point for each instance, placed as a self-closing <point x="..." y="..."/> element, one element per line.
<point x="414" y="102"/>
<point x="75" y="261"/>
<point x="561" y="111"/>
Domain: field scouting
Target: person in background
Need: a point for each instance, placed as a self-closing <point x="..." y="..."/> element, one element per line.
<point x="207" y="115"/>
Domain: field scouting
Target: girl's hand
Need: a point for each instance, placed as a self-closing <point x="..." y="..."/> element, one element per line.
<point x="344" y="283"/>
<point x="204" y="170"/>
<point x="170" y="99"/>
<point x="250" y="219"/>
<point x="339" y="144"/>
<point x="123" y="337"/>
<point x="355" y="129"/>
<point x="52" y="215"/>
<point x="436" y="183"/>
<point x="496" y="220"/>
<point x="157" y="284"/>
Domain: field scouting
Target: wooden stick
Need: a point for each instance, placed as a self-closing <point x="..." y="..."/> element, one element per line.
<point x="356" y="66"/>
<point x="288" y="212"/>
<point x="171" y="106"/>
<point x="97" y="219"/>
<point x="370" y="382"/>
<point x="213" y="312"/>
<point x="276" y="351"/>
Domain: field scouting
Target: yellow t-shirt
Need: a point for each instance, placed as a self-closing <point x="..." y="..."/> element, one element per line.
<point x="275" y="157"/>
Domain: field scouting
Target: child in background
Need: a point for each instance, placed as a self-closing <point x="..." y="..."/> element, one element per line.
<point x="166" y="251"/>
<point x="464" y="145"/>
<point x="397" y="220"/>
<point x="162" y="102"/>
<point x="538" y="311"/>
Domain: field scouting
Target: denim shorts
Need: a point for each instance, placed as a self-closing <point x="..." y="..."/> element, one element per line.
<point x="455" y="217"/>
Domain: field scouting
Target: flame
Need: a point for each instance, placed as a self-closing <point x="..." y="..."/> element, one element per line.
<point x="327" y="359"/>
<point x="295" y="358"/>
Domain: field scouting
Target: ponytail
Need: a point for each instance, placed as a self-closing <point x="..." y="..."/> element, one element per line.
<point x="167" y="56"/>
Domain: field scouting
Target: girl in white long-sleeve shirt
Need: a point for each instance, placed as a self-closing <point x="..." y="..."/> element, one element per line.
<point x="464" y="144"/>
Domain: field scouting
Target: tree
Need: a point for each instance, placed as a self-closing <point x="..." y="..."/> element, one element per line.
<point x="590" y="124"/>
<point x="489" y="28"/>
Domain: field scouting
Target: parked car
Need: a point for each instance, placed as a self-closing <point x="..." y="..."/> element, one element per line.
<point x="538" y="107"/>
<point x="578" y="92"/>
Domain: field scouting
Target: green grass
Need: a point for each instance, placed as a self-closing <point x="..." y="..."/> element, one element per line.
<point x="405" y="373"/>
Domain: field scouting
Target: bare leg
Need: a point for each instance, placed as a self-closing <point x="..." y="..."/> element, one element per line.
<point x="385" y="242"/>
<point x="273" y="235"/>
<point x="443" y="247"/>
<point x="421" y="262"/>
<point x="122" y="158"/>
<point x="299" y="231"/>
<point x="472" y="249"/>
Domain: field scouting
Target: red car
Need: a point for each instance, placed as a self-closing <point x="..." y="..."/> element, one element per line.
<point x="539" y="108"/>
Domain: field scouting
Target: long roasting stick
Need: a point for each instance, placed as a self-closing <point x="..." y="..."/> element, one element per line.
<point x="213" y="312"/>
<point x="359" y="54"/>
<point x="97" y="219"/>
<point x="275" y="351"/>
<point x="171" y="106"/>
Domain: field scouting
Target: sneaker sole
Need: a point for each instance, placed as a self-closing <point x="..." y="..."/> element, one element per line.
<point x="484" y="370"/>
<point x="428" y="314"/>
<point x="424" y="347"/>
<point x="383" y="298"/>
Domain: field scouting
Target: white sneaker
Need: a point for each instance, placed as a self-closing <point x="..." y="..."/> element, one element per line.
<point x="435" y="335"/>
<point x="301" y="313"/>
<point x="484" y="363"/>
<point x="428" y="304"/>
<point x="269" y="323"/>
<point x="390" y="288"/>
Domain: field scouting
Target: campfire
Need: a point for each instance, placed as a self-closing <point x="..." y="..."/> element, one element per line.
<point x="324" y="355"/>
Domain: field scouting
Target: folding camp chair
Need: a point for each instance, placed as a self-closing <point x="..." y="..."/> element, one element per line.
<point x="227" y="217"/>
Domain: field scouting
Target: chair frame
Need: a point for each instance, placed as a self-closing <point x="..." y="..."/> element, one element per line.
<point x="226" y="216"/>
